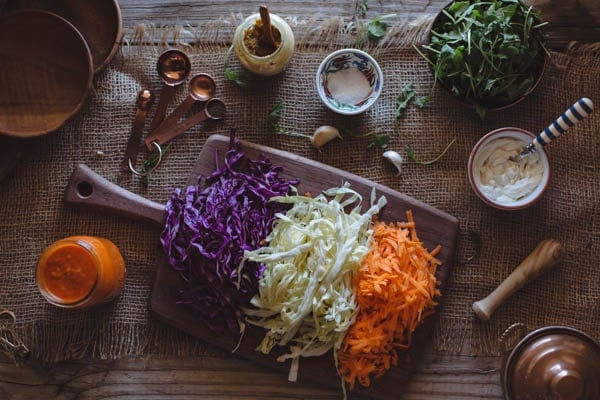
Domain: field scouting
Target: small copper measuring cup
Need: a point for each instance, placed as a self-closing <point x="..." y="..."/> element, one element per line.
<point x="214" y="109"/>
<point x="173" y="67"/>
<point x="202" y="87"/>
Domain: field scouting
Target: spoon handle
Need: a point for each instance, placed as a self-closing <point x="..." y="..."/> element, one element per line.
<point x="166" y="133"/>
<point x="213" y="109"/>
<point x="161" y="109"/>
<point x="143" y="103"/>
<point x="578" y="111"/>
<point x="173" y="118"/>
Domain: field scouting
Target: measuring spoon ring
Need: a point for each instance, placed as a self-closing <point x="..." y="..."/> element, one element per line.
<point x="173" y="68"/>
<point x="202" y="88"/>
<point x="214" y="109"/>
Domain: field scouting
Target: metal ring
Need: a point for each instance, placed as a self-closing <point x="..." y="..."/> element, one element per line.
<point x="146" y="173"/>
<point x="9" y="318"/>
<point x="502" y="339"/>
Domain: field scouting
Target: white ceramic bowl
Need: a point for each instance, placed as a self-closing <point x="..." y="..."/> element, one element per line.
<point x="349" y="81"/>
<point x="496" y="197"/>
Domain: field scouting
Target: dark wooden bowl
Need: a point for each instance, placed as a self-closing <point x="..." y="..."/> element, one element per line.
<point x="99" y="21"/>
<point x="46" y="72"/>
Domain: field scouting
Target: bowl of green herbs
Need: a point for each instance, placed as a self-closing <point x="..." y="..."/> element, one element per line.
<point x="488" y="54"/>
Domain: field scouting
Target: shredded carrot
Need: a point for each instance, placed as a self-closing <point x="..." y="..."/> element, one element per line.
<point x="395" y="291"/>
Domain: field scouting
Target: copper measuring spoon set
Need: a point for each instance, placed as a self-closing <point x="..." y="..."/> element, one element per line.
<point x="173" y="68"/>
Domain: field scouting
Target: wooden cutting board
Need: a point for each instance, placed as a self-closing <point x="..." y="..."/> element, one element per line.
<point x="434" y="227"/>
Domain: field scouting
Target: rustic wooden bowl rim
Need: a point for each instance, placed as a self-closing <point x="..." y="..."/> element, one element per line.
<point x="58" y="22"/>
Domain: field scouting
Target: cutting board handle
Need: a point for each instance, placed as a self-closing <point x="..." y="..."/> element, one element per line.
<point x="90" y="189"/>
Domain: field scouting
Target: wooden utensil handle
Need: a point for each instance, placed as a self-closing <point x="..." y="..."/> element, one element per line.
<point x="87" y="188"/>
<point x="545" y="256"/>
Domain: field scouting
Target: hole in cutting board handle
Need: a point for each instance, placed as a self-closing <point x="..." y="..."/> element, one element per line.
<point x="85" y="189"/>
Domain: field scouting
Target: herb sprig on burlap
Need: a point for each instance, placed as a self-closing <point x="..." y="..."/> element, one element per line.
<point x="487" y="53"/>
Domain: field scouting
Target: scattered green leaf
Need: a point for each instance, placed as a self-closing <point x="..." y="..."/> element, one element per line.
<point x="379" y="142"/>
<point x="273" y="121"/>
<point x="408" y="92"/>
<point x="363" y="7"/>
<point x="241" y="78"/>
<point x="374" y="29"/>
<point x="412" y="156"/>
<point x="151" y="163"/>
<point x="421" y="101"/>
<point x="404" y="98"/>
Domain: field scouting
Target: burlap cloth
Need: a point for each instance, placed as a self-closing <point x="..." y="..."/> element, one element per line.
<point x="34" y="215"/>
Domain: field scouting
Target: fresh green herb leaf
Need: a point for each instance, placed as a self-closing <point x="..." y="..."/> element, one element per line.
<point x="379" y="142"/>
<point x="421" y="101"/>
<point x="412" y="156"/>
<point x="408" y="92"/>
<point x="376" y="28"/>
<point x="151" y="163"/>
<point x="241" y="78"/>
<point x="487" y="53"/>
<point x="363" y="8"/>
<point x="275" y="115"/>
<point x="273" y="122"/>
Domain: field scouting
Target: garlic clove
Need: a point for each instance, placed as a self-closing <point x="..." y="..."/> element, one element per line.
<point x="395" y="158"/>
<point x="323" y="135"/>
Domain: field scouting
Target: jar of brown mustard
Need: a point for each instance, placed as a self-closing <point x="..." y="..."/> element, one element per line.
<point x="80" y="271"/>
<point x="253" y="55"/>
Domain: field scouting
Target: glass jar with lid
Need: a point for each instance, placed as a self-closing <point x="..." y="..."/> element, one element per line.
<point x="80" y="271"/>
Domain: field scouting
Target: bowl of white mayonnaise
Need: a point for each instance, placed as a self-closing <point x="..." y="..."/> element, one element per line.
<point x="500" y="177"/>
<point x="349" y="81"/>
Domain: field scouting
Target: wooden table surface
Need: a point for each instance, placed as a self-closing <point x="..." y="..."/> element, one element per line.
<point x="222" y="376"/>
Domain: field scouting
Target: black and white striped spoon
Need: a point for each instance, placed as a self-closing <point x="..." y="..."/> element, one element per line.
<point x="578" y="111"/>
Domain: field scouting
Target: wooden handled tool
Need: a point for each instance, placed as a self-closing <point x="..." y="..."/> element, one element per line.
<point x="545" y="256"/>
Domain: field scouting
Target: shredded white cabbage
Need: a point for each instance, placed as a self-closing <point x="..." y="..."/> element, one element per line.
<point x="305" y="298"/>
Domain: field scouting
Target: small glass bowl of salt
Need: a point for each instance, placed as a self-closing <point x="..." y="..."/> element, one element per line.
<point x="349" y="81"/>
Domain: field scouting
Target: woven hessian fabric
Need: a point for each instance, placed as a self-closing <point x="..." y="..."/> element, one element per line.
<point x="34" y="215"/>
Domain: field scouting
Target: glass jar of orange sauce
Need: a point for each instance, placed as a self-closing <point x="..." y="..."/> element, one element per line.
<point x="80" y="272"/>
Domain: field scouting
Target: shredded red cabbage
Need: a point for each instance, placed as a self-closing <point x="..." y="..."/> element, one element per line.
<point x="207" y="231"/>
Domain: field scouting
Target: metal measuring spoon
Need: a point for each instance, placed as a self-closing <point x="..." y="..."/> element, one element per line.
<point x="214" y="109"/>
<point x="143" y="103"/>
<point x="173" y="68"/>
<point x="202" y="88"/>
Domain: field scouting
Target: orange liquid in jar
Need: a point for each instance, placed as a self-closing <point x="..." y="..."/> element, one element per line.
<point x="80" y="271"/>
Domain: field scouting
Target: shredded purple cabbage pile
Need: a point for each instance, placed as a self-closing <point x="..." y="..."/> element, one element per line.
<point x="207" y="232"/>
